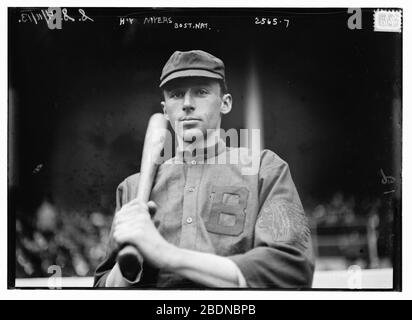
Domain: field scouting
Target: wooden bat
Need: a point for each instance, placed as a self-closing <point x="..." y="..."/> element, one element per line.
<point x="129" y="258"/>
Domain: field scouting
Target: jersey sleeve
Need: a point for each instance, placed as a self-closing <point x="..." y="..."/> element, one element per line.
<point x="282" y="253"/>
<point x="125" y="192"/>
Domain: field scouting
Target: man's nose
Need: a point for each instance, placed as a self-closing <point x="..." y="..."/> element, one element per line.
<point x="188" y="104"/>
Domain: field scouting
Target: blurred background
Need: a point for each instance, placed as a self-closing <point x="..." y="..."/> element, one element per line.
<point x="327" y="98"/>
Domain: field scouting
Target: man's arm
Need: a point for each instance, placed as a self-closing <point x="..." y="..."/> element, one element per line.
<point x="282" y="255"/>
<point x="205" y="268"/>
<point x="132" y="224"/>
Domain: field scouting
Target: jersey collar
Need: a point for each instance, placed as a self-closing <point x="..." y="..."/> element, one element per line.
<point x="199" y="155"/>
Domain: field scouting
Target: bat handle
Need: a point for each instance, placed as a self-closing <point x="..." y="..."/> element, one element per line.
<point x="129" y="260"/>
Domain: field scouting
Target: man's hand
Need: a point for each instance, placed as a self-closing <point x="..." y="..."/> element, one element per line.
<point x="133" y="225"/>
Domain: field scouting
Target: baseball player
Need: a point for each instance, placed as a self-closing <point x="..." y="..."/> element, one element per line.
<point x="210" y="225"/>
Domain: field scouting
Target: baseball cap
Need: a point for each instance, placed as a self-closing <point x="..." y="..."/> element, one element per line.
<point x="195" y="63"/>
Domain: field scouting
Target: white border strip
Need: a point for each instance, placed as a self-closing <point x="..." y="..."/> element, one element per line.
<point x="202" y="295"/>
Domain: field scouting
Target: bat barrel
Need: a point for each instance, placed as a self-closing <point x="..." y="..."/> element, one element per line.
<point x="129" y="258"/>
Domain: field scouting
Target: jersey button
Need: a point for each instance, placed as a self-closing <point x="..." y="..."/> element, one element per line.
<point x="189" y="220"/>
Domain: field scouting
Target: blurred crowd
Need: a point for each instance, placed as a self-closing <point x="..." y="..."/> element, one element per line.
<point x="74" y="241"/>
<point x="341" y="210"/>
<point x="353" y="231"/>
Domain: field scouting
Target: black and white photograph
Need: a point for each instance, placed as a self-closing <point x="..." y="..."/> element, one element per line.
<point x="204" y="148"/>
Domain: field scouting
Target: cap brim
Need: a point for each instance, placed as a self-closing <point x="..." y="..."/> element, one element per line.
<point x="190" y="73"/>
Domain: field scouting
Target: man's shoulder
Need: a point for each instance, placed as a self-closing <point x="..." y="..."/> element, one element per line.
<point x="269" y="157"/>
<point x="131" y="180"/>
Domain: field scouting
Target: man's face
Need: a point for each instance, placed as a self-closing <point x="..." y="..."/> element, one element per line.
<point x="194" y="105"/>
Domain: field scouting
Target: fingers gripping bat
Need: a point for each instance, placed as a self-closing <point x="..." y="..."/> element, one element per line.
<point x="129" y="258"/>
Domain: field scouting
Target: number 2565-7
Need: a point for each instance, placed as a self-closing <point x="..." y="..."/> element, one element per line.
<point x="272" y="21"/>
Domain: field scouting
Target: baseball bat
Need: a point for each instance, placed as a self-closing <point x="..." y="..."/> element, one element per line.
<point x="129" y="258"/>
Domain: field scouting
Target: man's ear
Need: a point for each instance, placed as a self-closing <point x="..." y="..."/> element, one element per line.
<point x="226" y="104"/>
<point x="164" y="110"/>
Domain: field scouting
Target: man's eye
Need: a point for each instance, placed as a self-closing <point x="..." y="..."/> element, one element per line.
<point x="202" y="91"/>
<point x="176" y="94"/>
